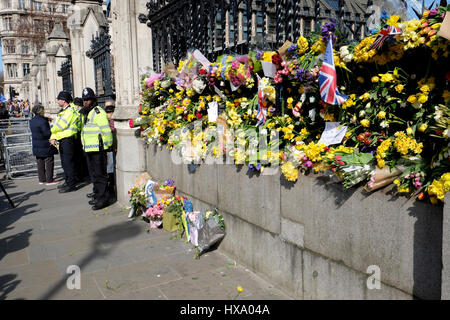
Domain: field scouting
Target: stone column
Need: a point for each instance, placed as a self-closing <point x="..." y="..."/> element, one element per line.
<point x="132" y="51"/>
<point x="77" y="62"/>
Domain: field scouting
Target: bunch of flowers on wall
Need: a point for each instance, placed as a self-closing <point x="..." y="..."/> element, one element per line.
<point x="381" y="118"/>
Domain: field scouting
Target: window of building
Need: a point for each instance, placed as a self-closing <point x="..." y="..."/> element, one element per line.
<point x="7" y="4"/>
<point x="11" y="70"/>
<point x="21" y="4"/>
<point x="64" y="8"/>
<point x="26" y="69"/>
<point x="8" y="23"/>
<point x="38" y="25"/>
<point x="51" y="7"/>
<point x="25" y="47"/>
<point x="10" y="46"/>
<point x="37" y="5"/>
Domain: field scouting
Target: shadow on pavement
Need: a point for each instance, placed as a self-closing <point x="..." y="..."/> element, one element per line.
<point x="110" y="236"/>
<point x="7" y="284"/>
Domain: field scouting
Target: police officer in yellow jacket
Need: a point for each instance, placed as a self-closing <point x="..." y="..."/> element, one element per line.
<point x="65" y="131"/>
<point x="96" y="138"/>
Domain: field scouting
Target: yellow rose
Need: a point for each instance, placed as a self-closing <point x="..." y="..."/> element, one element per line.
<point x="412" y="99"/>
<point x="375" y="79"/>
<point x="360" y="79"/>
<point x="381" y="115"/>
<point x="399" y="88"/>
<point x="423" y="98"/>
<point x="423" y="127"/>
<point x="365" y="123"/>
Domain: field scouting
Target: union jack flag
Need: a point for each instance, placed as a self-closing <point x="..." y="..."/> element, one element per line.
<point x="327" y="79"/>
<point x="383" y="35"/>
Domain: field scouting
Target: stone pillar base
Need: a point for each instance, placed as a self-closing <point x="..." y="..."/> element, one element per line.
<point x="131" y="160"/>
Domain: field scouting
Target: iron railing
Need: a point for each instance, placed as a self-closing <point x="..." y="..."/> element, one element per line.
<point x="220" y="26"/>
<point x="101" y="53"/>
<point x="66" y="73"/>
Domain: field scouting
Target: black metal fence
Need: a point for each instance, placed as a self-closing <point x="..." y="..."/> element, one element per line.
<point x="219" y="26"/>
<point x="101" y="53"/>
<point x="66" y="74"/>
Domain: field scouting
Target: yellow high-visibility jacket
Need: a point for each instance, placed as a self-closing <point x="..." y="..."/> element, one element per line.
<point x="96" y="128"/>
<point x="67" y="124"/>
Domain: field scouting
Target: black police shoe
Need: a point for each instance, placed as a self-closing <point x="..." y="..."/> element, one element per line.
<point x="90" y="195"/>
<point x="99" y="206"/>
<point x="67" y="189"/>
<point x="93" y="202"/>
<point x="62" y="186"/>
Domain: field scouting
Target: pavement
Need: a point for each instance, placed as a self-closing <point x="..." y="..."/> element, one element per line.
<point x="48" y="232"/>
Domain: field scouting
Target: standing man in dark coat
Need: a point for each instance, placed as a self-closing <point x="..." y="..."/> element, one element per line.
<point x="42" y="149"/>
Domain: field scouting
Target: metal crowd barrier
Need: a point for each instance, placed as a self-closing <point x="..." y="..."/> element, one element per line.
<point x="16" y="150"/>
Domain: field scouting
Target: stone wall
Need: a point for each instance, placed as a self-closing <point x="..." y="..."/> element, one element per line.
<point x="314" y="238"/>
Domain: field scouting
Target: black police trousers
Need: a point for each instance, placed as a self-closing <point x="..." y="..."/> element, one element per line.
<point x="67" y="151"/>
<point x="97" y="170"/>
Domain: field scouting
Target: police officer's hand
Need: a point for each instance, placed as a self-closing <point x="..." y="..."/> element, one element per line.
<point x="53" y="142"/>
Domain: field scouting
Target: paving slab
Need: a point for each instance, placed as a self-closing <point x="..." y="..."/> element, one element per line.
<point x="134" y="277"/>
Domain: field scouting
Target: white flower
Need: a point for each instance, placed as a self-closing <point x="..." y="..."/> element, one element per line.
<point x="198" y="86"/>
<point x="384" y="124"/>
<point x="348" y="58"/>
<point x="362" y="113"/>
<point x="343" y="51"/>
<point x="165" y="84"/>
<point x="417" y="105"/>
<point x="312" y="114"/>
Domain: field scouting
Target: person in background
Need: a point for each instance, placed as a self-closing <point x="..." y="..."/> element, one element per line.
<point x="81" y="160"/>
<point x="42" y="149"/>
<point x="111" y="154"/>
<point x="4" y="114"/>
<point x="97" y="138"/>
<point x="65" y="131"/>
<point x="78" y="102"/>
<point x="26" y="109"/>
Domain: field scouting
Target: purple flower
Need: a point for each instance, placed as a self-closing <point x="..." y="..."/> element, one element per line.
<point x="259" y="54"/>
<point x="292" y="48"/>
<point x="300" y="74"/>
<point x="252" y="167"/>
<point x="169" y="182"/>
<point x="328" y="28"/>
<point x="433" y="12"/>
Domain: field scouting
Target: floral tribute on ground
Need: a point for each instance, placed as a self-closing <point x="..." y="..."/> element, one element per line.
<point x="175" y="214"/>
<point x="376" y="112"/>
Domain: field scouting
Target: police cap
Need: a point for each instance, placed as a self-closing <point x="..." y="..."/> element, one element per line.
<point x="64" y="95"/>
<point x="88" y="94"/>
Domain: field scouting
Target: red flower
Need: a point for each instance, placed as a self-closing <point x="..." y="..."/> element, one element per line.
<point x="131" y="123"/>
<point x="198" y="115"/>
<point x="202" y="71"/>
<point x="140" y="108"/>
<point x="420" y="196"/>
<point x="276" y="59"/>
